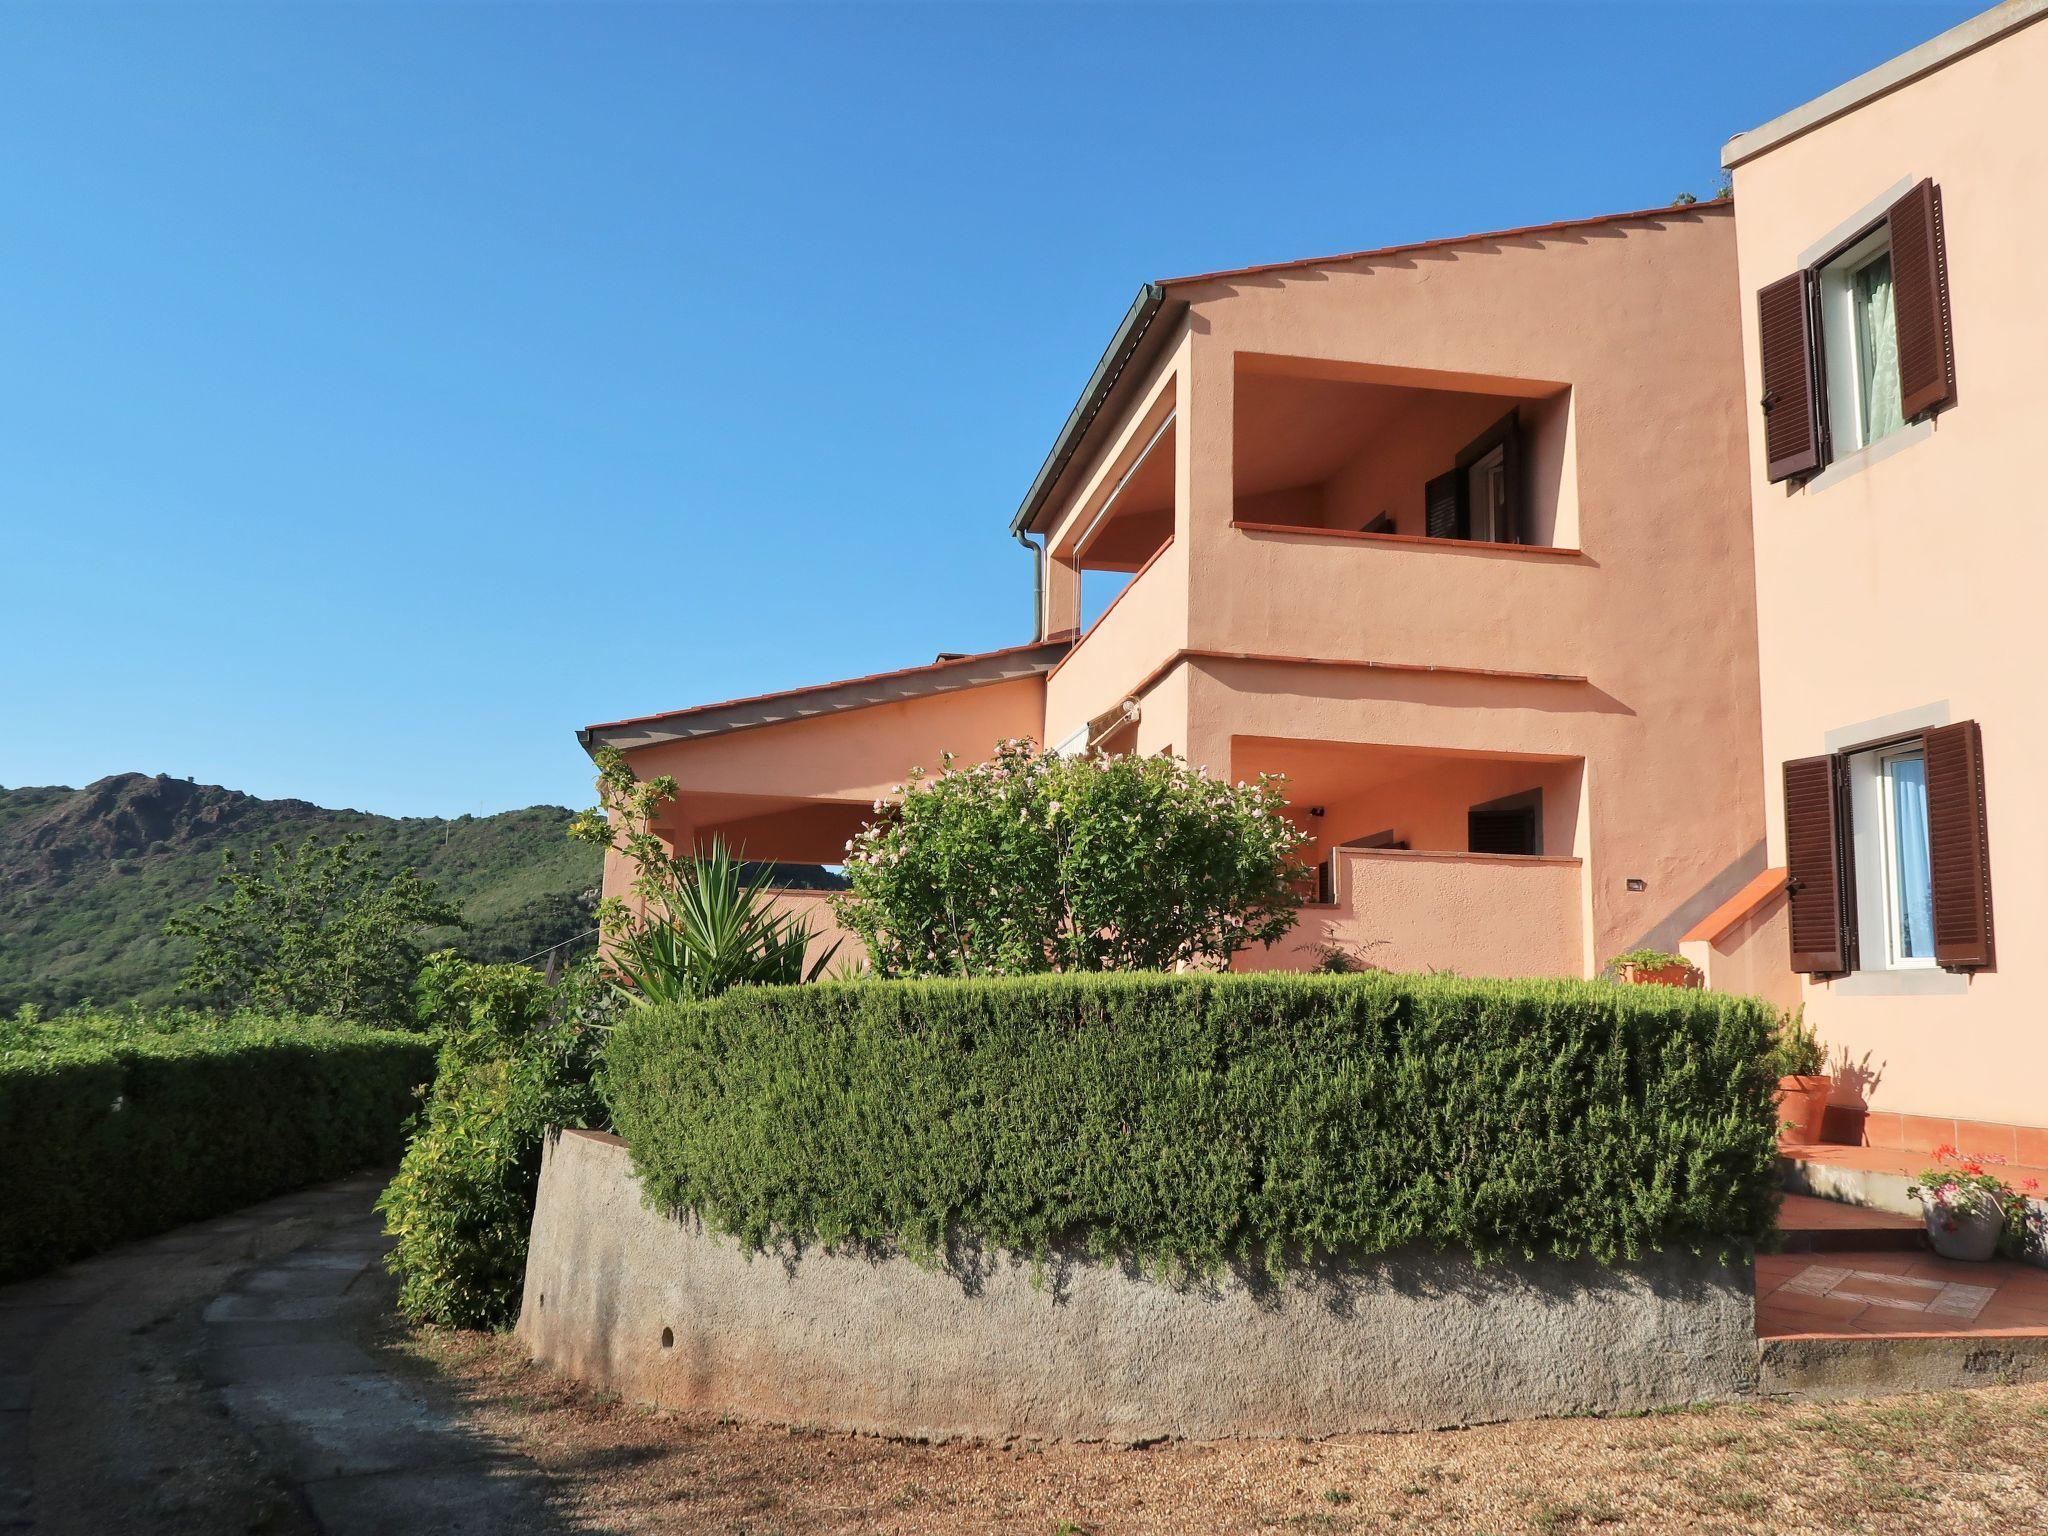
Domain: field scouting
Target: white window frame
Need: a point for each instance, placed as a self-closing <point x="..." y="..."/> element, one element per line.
<point x="1842" y="360"/>
<point x="1875" y="844"/>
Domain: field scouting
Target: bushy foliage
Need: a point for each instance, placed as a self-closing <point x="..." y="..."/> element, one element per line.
<point x="515" y="1056"/>
<point x="698" y="924"/>
<point x="1034" y="862"/>
<point x="1199" y="1121"/>
<point x="312" y="930"/>
<point x="114" y="1126"/>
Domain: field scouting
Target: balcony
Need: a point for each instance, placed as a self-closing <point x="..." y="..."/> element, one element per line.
<point x="1396" y="515"/>
<point x="1471" y="914"/>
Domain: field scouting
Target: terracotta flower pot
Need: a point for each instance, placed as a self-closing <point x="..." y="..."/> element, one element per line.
<point x="1680" y="975"/>
<point x="1970" y="1233"/>
<point x="1802" y="1106"/>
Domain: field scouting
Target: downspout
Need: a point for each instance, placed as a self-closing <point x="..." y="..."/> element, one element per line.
<point x="1037" y="583"/>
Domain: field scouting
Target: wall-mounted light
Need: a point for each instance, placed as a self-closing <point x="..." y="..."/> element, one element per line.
<point x="1315" y="810"/>
<point x="1638" y="885"/>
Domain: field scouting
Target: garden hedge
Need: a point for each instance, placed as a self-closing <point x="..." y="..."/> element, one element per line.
<point x="103" y="1139"/>
<point x="1193" y="1122"/>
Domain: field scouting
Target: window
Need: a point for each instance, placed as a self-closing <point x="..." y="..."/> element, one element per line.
<point x="1511" y="825"/>
<point x="1887" y="856"/>
<point x="1481" y="497"/>
<point x="1856" y="346"/>
<point x="1894" y="880"/>
<point x="1860" y="342"/>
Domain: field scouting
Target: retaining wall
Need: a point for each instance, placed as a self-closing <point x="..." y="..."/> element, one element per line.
<point x="663" y="1311"/>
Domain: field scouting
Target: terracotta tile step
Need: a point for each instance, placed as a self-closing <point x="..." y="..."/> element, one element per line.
<point x="1810" y="1225"/>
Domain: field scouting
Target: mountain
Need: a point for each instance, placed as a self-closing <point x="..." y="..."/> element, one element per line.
<point x="87" y="877"/>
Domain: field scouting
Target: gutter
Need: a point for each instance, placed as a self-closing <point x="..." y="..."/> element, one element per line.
<point x="1137" y="325"/>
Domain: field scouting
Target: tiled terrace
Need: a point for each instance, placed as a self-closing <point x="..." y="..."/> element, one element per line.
<point x="1886" y="1284"/>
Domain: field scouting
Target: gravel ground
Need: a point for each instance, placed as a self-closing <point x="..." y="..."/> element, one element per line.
<point x="1966" y="1463"/>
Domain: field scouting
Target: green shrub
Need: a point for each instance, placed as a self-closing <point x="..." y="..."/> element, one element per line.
<point x="117" y="1126"/>
<point x="1033" y="862"/>
<point x="1197" y="1121"/>
<point x="516" y="1056"/>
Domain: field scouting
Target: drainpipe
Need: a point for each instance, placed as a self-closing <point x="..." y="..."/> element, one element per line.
<point x="1037" y="583"/>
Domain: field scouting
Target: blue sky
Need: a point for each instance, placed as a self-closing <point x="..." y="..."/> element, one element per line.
<point x="387" y="390"/>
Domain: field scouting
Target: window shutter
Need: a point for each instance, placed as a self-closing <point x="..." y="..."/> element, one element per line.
<point x="1813" y="867"/>
<point x="1440" y="503"/>
<point x="1927" y="360"/>
<point x="1959" y="851"/>
<point x="1791" y="402"/>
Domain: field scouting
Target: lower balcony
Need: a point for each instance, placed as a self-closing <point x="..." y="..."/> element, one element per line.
<point x="1469" y="914"/>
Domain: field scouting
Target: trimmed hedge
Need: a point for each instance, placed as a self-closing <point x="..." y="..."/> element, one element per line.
<point x="1199" y="1121"/>
<point x="104" y="1137"/>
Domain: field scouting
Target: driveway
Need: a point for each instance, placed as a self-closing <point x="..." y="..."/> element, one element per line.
<point x="227" y="1377"/>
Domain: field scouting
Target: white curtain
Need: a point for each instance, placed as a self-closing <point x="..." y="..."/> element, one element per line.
<point x="1877" y="349"/>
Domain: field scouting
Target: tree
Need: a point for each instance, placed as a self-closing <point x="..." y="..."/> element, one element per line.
<point x="702" y="924"/>
<point x="313" y="930"/>
<point x="1037" y="862"/>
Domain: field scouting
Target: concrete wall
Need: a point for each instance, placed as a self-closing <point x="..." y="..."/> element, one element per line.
<point x="1909" y="582"/>
<point x="663" y="1312"/>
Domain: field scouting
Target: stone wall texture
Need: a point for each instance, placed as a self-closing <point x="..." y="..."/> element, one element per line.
<point x="665" y="1312"/>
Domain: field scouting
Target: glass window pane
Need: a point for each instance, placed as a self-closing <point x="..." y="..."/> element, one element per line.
<point x="1911" y="880"/>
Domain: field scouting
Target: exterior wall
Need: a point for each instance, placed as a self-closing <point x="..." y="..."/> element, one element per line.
<point x="815" y="909"/>
<point x="1912" y="582"/>
<point x="1623" y="342"/>
<point x="1750" y="957"/>
<point x="1469" y="913"/>
<point x="667" y="1313"/>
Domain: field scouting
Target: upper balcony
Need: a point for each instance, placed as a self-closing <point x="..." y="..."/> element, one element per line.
<point x="1392" y="514"/>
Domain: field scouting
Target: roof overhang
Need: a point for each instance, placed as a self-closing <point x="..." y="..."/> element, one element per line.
<point x="947" y="675"/>
<point x="1909" y="66"/>
<point x="1144" y="331"/>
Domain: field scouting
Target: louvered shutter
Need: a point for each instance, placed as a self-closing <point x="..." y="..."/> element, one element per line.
<point x="1958" y="847"/>
<point x="1791" y="400"/>
<point x="1440" y="503"/>
<point x="1927" y="362"/>
<point x="1813" y="867"/>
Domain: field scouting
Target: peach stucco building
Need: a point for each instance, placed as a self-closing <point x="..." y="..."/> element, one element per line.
<point x="1896" y="325"/>
<point x="1407" y="527"/>
<point x="1484" y="544"/>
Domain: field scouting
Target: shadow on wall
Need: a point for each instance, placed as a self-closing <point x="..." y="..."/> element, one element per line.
<point x="1666" y="933"/>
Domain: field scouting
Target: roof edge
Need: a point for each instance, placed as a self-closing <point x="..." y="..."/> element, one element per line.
<point x="1125" y="344"/>
<point x="1525" y="231"/>
<point x="951" y="670"/>
<point x="1958" y="41"/>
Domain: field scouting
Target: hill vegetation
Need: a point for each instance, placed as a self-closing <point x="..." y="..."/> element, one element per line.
<point x="88" y="876"/>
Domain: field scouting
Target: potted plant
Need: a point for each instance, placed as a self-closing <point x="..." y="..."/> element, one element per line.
<point x="1803" y="1088"/>
<point x="1966" y="1206"/>
<point x="1654" y="968"/>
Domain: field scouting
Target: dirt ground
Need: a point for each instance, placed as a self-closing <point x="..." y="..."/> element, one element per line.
<point x="1962" y="1463"/>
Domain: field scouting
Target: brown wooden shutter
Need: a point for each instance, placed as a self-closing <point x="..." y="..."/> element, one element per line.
<point x="1791" y="400"/>
<point x="1441" y="506"/>
<point x="1958" y="847"/>
<point x="1927" y="360"/>
<point x="1813" y="866"/>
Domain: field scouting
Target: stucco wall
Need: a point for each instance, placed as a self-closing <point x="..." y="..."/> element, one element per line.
<point x="1469" y="913"/>
<point x="1095" y="1352"/>
<point x="1912" y="583"/>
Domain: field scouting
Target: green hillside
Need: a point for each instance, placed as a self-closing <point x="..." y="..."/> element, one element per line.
<point x="87" y="877"/>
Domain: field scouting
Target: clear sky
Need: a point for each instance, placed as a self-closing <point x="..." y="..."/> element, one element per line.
<point x="386" y="391"/>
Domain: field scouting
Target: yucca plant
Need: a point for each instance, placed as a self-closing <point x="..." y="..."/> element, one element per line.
<point x="701" y="923"/>
<point x="713" y="927"/>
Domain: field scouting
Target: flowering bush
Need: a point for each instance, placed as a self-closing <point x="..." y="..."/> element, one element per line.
<point x="1963" y="1185"/>
<point x="1033" y="862"/>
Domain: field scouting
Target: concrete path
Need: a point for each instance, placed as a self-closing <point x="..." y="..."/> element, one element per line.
<point x="226" y="1378"/>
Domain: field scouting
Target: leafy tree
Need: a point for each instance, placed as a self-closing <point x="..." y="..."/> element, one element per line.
<point x="313" y="930"/>
<point x="698" y="925"/>
<point x="1037" y="862"/>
